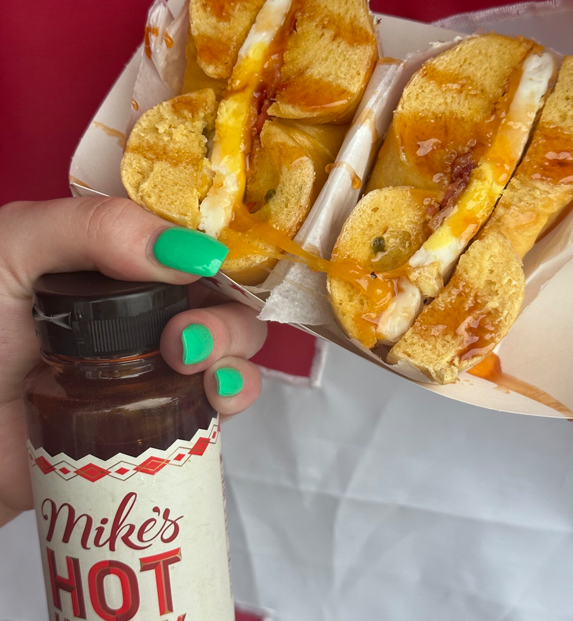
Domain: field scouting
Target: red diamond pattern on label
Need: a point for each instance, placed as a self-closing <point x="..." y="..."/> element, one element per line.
<point x="177" y="455"/>
<point x="152" y="465"/>
<point x="92" y="472"/>
<point x="44" y="465"/>
<point x="200" y="446"/>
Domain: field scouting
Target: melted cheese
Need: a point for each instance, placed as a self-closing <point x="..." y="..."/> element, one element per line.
<point x="493" y="172"/>
<point x="232" y="141"/>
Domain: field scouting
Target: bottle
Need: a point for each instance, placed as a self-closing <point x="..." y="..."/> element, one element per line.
<point x="125" y="459"/>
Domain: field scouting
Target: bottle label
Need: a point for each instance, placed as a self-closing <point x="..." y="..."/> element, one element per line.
<point x="135" y="538"/>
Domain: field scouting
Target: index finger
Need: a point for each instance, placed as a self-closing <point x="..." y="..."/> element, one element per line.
<point x="111" y="235"/>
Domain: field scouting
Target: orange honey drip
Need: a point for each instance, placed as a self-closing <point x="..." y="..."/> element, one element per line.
<point x="478" y="329"/>
<point x="149" y="31"/>
<point x="314" y="93"/>
<point x="490" y="370"/>
<point x="134" y="104"/>
<point x="221" y="9"/>
<point x="79" y="182"/>
<point x="211" y="49"/>
<point x="387" y="60"/>
<point x="356" y="180"/>
<point x="368" y="118"/>
<point x="113" y="133"/>
<point x="168" y="40"/>
<point x="550" y="156"/>
<point x="461" y="315"/>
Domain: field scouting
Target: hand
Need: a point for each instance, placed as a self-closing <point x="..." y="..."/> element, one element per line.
<point x="117" y="238"/>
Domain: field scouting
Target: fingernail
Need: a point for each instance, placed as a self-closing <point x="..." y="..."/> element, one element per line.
<point x="229" y="382"/>
<point x="197" y="343"/>
<point x="190" y="251"/>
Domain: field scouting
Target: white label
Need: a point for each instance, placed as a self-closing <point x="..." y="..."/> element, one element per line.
<point x="135" y="538"/>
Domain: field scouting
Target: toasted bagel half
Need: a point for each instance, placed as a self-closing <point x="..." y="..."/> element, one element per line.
<point x="165" y="167"/>
<point x="469" y="317"/>
<point x="543" y="183"/>
<point x="381" y="234"/>
<point x="328" y="61"/>
<point x="448" y="110"/>
<point x="218" y="29"/>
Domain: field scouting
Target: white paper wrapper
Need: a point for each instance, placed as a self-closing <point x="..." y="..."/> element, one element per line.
<point x="539" y="345"/>
<point x="163" y="61"/>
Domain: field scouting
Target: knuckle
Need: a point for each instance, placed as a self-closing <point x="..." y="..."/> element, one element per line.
<point x="223" y="332"/>
<point x="9" y="213"/>
<point x="105" y="219"/>
<point x="11" y="279"/>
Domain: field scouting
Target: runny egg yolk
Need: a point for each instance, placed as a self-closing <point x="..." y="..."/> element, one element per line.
<point x="232" y="142"/>
<point x="494" y="171"/>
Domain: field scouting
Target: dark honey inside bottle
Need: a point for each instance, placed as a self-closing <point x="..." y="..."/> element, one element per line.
<point x="103" y="387"/>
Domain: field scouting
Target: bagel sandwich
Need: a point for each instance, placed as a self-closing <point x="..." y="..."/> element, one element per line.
<point x="478" y="314"/>
<point x="281" y="116"/>
<point x="418" y="217"/>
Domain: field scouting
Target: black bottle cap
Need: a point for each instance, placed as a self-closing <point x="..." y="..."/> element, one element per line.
<point x="88" y="315"/>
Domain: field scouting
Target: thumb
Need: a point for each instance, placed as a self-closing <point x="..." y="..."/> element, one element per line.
<point x="112" y="235"/>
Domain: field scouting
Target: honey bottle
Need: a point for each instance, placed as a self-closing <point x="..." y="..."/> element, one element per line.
<point x="125" y="459"/>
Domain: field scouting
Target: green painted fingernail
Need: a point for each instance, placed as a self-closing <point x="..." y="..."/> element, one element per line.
<point x="197" y="343"/>
<point x="229" y="382"/>
<point x="190" y="251"/>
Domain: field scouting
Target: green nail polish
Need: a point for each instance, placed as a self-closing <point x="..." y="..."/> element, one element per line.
<point x="229" y="382"/>
<point x="197" y="343"/>
<point x="190" y="251"/>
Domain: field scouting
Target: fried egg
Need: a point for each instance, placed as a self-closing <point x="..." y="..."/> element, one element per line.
<point x="232" y="142"/>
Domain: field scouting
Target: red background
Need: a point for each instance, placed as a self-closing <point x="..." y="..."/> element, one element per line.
<point x="59" y="59"/>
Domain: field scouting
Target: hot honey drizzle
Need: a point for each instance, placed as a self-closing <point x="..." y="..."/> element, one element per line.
<point x="221" y="9"/>
<point x="550" y="156"/>
<point x="464" y="318"/>
<point x="114" y="133"/>
<point x="79" y="182"/>
<point x="435" y="146"/>
<point x="387" y="60"/>
<point x="356" y="180"/>
<point x="148" y="33"/>
<point x="368" y="118"/>
<point x="490" y="370"/>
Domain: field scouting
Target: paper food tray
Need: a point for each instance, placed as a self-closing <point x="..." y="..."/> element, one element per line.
<point x="538" y="349"/>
